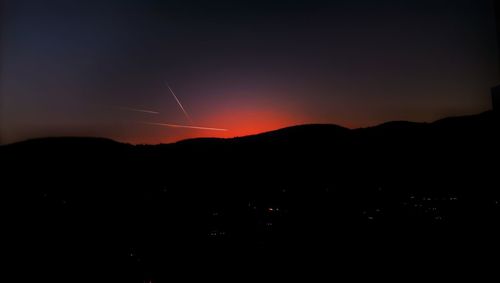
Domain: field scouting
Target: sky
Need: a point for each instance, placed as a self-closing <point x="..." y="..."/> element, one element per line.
<point x="81" y="68"/>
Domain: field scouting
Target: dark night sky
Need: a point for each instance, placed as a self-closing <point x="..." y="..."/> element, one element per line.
<point x="248" y="66"/>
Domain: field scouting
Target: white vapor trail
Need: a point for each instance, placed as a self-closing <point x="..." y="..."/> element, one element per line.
<point x="180" y="104"/>
<point x="188" y="127"/>
<point x="137" y="110"/>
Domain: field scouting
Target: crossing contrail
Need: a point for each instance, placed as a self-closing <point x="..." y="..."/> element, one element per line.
<point x="188" y="127"/>
<point x="180" y="104"/>
<point x="137" y="110"/>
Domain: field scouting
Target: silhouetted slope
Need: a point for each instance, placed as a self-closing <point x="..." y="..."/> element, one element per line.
<point x="58" y="142"/>
<point x="315" y="132"/>
<point x="416" y="186"/>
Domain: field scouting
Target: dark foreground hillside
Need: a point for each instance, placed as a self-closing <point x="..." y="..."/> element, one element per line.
<point x="97" y="210"/>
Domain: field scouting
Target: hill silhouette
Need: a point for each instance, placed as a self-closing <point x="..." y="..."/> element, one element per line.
<point x="365" y="191"/>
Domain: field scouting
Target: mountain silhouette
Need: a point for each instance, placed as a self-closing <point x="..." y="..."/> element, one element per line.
<point x="368" y="190"/>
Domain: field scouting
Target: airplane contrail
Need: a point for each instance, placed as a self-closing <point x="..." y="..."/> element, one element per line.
<point x="188" y="127"/>
<point x="137" y="110"/>
<point x="179" y="102"/>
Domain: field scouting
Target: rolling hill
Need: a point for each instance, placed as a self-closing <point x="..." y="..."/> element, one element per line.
<point x="322" y="185"/>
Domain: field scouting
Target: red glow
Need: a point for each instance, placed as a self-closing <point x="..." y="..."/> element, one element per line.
<point x="239" y="122"/>
<point x="249" y="122"/>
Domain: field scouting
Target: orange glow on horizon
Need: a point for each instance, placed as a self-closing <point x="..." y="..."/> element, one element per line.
<point x="229" y="123"/>
<point x="238" y="123"/>
<point x="233" y="118"/>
